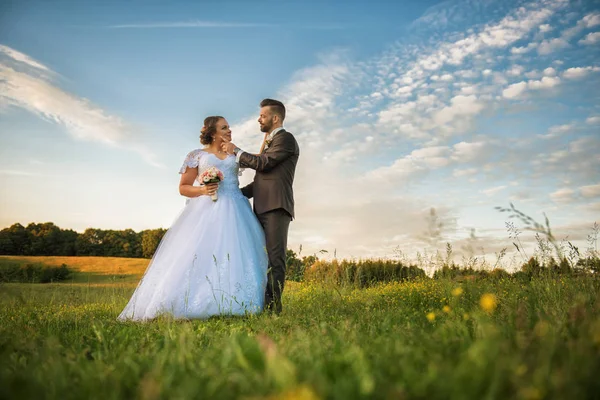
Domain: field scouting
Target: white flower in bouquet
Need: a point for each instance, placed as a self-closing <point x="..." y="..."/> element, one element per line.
<point x="212" y="175"/>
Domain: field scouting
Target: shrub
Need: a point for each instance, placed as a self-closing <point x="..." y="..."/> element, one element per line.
<point x="33" y="273"/>
<point x="361" y="273"/>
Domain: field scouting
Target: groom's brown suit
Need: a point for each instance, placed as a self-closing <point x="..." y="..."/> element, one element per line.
<point x="274" y="204"/>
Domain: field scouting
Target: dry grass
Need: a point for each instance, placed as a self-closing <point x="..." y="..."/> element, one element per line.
<point x="95" y="265"/>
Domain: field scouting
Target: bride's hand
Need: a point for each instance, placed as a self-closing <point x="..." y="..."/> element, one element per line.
<point x="209" y="189"/>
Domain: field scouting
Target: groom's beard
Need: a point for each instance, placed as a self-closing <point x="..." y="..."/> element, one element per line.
<point x="267" y="127"/>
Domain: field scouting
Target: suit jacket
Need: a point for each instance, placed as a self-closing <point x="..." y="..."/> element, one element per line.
<point x="275" y="168"/>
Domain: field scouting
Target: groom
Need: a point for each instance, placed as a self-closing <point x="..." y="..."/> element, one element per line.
<point x="272" y="191"/>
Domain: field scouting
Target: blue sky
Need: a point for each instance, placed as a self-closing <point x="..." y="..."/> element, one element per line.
<point x="398" y="107"/>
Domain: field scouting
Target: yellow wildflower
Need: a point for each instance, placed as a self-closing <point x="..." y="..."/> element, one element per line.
<point x="457" y="291"/>
<point x="431" y="317"/>
<point x="488" y="302"/>
<point x="446" y="309"/>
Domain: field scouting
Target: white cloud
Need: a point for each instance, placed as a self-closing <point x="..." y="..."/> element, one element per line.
<point x="545" y="83"/>
<point x="507" y="31"/>
<point x="22" y="58"/>
<point x="400" y="171"/>
<point x="588" y="21"/>
<point x="575" y="162"/>
<point x="81" y="118"/>
<point x="515" y="70"/>
<point x="551" y="45"/>
<point x="591" y="20"/>
<point x="533" y="74"/>
<point x="465" y="152"/>
<point x="590" y="191"/>
<point x="558" y="130"/>
<point x="432" y="157"/>
<point x="424" y="159"/>
<point x="468" y="90"/>
<point x="514" y="90"/>
<point x="593" y="120"/>
<point x="550" y="71"/>
<point x="545" y="28"/>
<point x="579" y="72"/>
<point x="465" y="172"/>
<point x="524" y="49"/>
<point x="563" y="196"/>
<point x="459" y="106"/>
<point x="591" y="38"/>
<point x="492" y="191"/>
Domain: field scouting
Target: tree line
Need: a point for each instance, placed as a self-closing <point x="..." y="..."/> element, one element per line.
<point x="47" y="239"/>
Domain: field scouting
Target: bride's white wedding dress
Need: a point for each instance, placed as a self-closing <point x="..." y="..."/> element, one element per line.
<point x="212" y="261"/>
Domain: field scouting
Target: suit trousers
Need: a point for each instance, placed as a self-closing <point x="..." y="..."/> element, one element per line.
<point x="275" y="224"/>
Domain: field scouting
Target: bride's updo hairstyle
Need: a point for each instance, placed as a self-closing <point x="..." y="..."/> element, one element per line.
<point x="209" y="129"/>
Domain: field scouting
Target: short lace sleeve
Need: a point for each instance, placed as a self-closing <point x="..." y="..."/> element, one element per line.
<point x="191" y="161"/>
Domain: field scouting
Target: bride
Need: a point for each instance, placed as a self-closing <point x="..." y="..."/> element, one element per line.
<point x="212" y="261"/>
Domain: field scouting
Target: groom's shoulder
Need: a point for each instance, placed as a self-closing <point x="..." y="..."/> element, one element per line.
<point x="288" y="140"/>
<point x="287" y="134"/>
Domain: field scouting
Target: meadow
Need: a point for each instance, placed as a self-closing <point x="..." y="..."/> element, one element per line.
<point x="448" y="338"/>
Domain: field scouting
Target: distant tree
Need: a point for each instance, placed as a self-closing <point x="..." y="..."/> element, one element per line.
<point x="14" y="240"/>
<point x="90" y="243"/>
<point x="6" y="244"/>
<point x="130" y="243"/>
<point x="68" y="242"/>
<point x="48" y="239"/>
<point x="150" y="241"/>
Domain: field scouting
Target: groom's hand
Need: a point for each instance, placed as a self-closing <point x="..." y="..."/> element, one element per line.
<point x="228" y="147"/>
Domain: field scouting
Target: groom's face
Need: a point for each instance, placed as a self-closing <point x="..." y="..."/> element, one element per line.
<point x="265" y="120"/>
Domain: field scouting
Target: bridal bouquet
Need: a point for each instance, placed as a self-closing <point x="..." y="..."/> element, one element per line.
<point x="211" y="175"/>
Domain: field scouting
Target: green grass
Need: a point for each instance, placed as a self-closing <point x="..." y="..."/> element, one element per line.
<point x="390" y="341"/>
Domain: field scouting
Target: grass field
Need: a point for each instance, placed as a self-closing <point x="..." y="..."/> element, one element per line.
<point x="427" y="339"/>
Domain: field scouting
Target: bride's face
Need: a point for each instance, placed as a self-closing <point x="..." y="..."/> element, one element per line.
<point x="223" y="131"/>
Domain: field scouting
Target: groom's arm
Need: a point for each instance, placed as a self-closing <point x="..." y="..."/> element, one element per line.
<point x="248" y="190"/>
<point x="283" y="147"/>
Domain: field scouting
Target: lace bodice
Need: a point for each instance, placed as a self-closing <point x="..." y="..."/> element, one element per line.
<point x="203" y="160"/>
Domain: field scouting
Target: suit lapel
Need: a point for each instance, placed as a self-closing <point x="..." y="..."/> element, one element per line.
<point x="272" y="140"/>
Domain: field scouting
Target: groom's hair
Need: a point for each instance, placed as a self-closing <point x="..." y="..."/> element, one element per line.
<point x="276" y="106"/>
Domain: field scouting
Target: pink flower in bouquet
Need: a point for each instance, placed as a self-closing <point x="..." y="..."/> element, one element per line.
<point x="211" y="175"/>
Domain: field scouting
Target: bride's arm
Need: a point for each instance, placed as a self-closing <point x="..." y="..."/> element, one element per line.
<point x="187" y="188"/>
